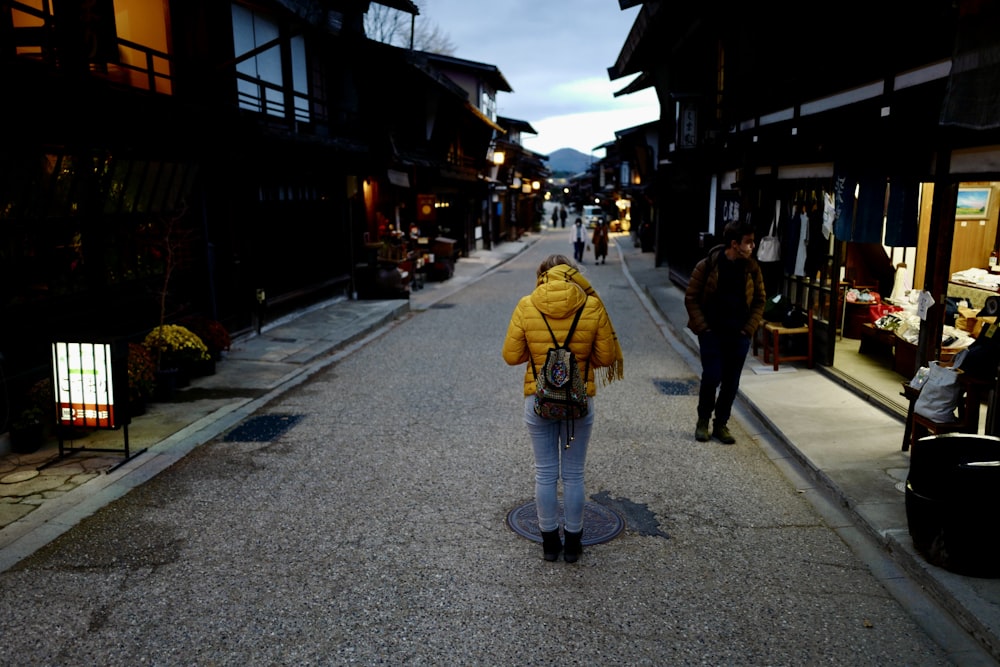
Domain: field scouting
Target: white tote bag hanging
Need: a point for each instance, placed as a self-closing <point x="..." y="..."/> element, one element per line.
<point x="769" y="248"/>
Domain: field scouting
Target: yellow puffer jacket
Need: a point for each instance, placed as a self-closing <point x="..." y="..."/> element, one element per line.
<point x="594" y="338"/>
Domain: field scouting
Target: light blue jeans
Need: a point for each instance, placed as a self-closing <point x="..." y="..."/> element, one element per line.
<point x="547" y="442"/>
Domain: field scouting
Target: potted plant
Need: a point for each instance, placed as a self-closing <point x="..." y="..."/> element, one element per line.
<point x="211" y="332"/>
<point x="27" y="430"/>
<point x="176" y="349"/>
<point x="141" y="379"/>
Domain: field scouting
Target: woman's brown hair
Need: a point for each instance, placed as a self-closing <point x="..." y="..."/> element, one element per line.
<point x="555" y="260"/>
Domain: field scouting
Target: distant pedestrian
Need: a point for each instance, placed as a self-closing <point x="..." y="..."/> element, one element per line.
<point x="645" y="235"/>
<point x="562" y="216"/>
<point x="600" y="241"/>
<point x="560" y="293"/>
<point x="725" y="304"/>
<point x="578" y="237"/>
<point x="555" y="216"/>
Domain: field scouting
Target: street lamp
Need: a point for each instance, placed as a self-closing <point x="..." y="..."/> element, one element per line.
<point x="498" y="157"/>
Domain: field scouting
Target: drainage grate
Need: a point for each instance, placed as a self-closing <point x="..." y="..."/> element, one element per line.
<point x="283" y="340"/>
<point x="677" y="387"/>
<point x="441" y="306"/>
<point x="600" y="524"/>
<point x="262" y="428"/>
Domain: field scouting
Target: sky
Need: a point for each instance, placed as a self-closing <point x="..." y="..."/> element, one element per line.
<point x="555" y="55"/>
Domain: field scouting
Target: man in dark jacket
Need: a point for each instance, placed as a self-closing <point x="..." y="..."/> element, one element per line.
<point x="725" y="304"/>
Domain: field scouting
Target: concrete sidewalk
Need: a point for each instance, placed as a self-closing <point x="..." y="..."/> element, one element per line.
<point x="850" y="447"/>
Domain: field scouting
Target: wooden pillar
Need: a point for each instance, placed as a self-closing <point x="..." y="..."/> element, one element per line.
<point x="938" y="266"/>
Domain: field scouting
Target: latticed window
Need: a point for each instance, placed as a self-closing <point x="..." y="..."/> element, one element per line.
<point x="260" y="54"/>
<point x="126" y="41"/>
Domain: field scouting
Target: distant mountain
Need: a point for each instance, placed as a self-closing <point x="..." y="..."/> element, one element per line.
<point x="568" y="161"/>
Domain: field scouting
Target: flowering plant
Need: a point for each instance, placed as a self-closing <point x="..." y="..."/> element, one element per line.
<point x="211" y="332"/>
<point x="175" y="346"/>
<point x="141" y="380"/>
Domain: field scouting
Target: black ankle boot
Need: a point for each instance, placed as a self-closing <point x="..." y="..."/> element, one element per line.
<point x="574" y="546"/>
<point x="551" y="544"/>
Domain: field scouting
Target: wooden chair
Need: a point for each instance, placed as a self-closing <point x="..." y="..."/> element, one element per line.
<point x="771" y="334"/>
<point x="918" y="426"/>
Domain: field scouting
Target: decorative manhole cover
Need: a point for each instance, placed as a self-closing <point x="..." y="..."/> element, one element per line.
<point x="19" y="476"/>
<point x="677" y="387"/>
<point x="600" y="524"/>
<point x="262" y="428"/>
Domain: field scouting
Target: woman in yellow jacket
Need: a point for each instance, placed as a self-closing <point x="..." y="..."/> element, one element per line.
<point x="560" y="291"/>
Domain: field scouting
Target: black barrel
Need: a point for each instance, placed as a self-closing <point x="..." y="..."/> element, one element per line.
<point x="952" y="494"/>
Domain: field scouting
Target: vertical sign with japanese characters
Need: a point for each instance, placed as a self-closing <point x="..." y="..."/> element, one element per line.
<point x="84" y="389"/>
<point x="687" y="124"/>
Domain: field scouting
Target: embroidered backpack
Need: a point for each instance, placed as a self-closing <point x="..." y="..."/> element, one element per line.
<point x="561" y="392"/>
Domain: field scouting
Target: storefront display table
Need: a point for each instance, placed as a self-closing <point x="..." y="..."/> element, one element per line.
<point x="877" y="341"/>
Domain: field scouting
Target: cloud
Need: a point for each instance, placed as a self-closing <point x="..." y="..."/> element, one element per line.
<point x="569" y="96"/>
<point x="587" y="130"/>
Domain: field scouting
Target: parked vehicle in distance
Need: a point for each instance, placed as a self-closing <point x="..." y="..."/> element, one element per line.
<point x="591" y="214"/>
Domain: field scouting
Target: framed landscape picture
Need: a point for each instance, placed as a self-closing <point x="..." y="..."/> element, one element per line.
<point x="973" y="203"/>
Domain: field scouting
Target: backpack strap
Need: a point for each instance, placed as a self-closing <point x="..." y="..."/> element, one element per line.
<point x="572" y="328"/>
<point x="555" y="341"/>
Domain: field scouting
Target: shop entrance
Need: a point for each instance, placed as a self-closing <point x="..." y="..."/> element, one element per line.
<point x="877" y="322"/>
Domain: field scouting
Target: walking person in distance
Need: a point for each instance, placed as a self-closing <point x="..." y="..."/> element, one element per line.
<point x="578" y="237"/>
<point x="600" y="241"/>
<point x="725" y="304"/>
<point x="560" y="292"/>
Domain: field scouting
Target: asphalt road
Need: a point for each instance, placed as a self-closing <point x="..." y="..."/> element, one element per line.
<point x="372" y="530"/>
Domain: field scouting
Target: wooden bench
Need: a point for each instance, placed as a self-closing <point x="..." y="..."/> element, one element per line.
<point x="771" y="334"/>
<point x="918" y="426"/>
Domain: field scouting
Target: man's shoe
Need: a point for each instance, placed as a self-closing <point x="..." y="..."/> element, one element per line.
<point x="701" y="431"/>
<point x="721" y="431"/>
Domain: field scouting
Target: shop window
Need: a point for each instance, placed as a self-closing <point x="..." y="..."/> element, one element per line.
<point x="133" y="186"/>
<point x="137" y="186"/>
<point x="162" y="187"/>
<point x="260" y="53"/>
<point x="488" y="105"/>
<point x="145" y="192"/>
<point x="116" y="185"/>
